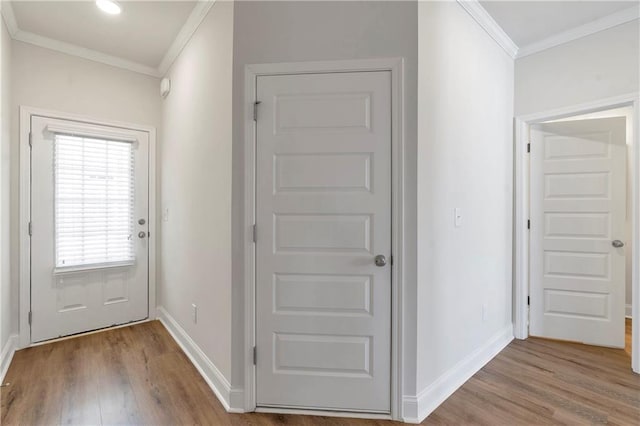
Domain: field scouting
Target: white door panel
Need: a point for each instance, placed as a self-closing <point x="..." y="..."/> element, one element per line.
<point x="578" y="205"/>
<point x="106" y="283"/>
<point x="323" y="214"/>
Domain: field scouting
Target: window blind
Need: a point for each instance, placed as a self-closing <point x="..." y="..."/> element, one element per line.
<point x="94" y="198"/>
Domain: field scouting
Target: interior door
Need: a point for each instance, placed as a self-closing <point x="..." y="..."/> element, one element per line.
<point x="89" y="226"/>
<point x="323" y="218"/>
<point x="578" y="207"/>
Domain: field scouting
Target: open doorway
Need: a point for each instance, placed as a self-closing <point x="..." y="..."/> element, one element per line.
<point x="625" y="113"/>
<point x="576" y="263"/>
<point x="580" y="229"/>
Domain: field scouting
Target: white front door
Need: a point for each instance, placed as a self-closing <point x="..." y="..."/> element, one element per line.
<point x="578" y="205"/>
<point x="323" y="215"/>
<point x="89" y="223"/>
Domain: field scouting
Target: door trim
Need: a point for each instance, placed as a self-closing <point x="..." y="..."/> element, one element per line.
<point x="26" y="113"/>
<point x="396" y="67"/>
<point x="521" y="209"/>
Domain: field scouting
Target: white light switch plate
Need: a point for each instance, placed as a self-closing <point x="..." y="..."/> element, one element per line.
<point x="457" y="217"/>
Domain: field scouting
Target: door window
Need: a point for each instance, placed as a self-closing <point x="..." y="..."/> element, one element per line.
<point x="94" y="197"/>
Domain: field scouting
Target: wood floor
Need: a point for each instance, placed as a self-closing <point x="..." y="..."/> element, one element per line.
<point x="138" y="375"/>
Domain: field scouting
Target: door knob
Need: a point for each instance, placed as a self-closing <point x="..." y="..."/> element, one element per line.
<point x="142" y="234"/>
<point x="617" y="243"/>
<point x="380" y="260"/>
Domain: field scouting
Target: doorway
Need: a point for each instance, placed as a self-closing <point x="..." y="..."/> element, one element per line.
<point x="578" y="230"/>
<point x="365" y="97"/>
<point x="576" y="224"/>
<point x="88" y="214"/>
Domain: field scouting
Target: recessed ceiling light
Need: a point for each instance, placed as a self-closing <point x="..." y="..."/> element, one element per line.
<point x="109" y="6"/>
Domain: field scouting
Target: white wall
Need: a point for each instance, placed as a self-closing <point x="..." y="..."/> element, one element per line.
<point x="267" y="32"/>
<point x="54" y="81"/>
<point x="5" y="125"/>
<point x="195" y="250"/>
<point x="465" y="160"/>
<point x="595" y="67"/>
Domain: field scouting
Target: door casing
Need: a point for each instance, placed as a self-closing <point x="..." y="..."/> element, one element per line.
<point x="396" y="67"/>
<point x="521" y="209"/>
<point x="25" y="208"/>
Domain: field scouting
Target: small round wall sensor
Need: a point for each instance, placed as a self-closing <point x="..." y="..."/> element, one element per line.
<point x="165" y="87"/>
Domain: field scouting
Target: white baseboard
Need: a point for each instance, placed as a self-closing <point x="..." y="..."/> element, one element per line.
<point x="323" y="413"/>
<point x="231" y="399"/>
<point x="7" y="355"/>
<point x="628" y="310"/>
<point x="417" y="408"/>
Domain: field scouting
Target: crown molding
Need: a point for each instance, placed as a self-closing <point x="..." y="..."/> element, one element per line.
<point x="199" y="12"/>
<point x="190" y="26"/>
<point x="484" y="19"/>
<point x="82" y="52"/>
<point x="8" y="17"/>
<point x="604" y="23"/>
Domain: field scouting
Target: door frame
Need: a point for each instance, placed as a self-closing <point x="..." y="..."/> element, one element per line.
<point x="252" y="72"/>
<point x="26" y="113"/>
<point x="521" y="209"/>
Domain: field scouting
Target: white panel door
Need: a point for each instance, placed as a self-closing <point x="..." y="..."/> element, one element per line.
<point x="89" y="215"/>
<point x="323" y="215"/>
<point x="578" y="207"/>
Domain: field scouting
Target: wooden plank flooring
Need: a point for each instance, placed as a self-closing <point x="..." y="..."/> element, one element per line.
<point x="138" y="375"/>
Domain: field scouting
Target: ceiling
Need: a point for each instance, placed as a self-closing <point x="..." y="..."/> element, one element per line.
<point x="528" y="22"/>
<point x="142" y="33"/>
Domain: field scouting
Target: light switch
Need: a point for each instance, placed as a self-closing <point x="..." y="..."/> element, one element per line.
<point x="165" y="214"/>
<point x="457" y="214"/>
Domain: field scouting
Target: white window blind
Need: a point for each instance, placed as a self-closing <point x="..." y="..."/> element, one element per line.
<point x="94" y="202"/>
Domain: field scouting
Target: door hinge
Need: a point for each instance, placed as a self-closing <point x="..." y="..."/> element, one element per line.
<point x="255" y="110"/>
<point x="529" y="147"/>
<point x="255" y="233"/>
<point x="30" y="229"/>
<point x="528" y="300"/>
<point x="528" y="224"/>
<point x="30" y="140"/>
<point x="30" y="317"/>
<point x="255" y="355"/>
<point x="391" y="260"/>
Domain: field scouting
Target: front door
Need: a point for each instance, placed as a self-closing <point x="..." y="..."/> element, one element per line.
<point x="578" y="205"/>
<point x="323" y="271"/>
<point x="89" y="226"/>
